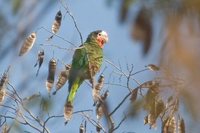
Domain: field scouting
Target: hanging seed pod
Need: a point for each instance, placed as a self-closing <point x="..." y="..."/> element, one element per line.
<point x="98" y="129"/>
<point x="51" y="74"/>
<point x="6" y="129"/>
<point x="99" y="110"/>
<point x="181" y="125"/>
<point x="2" y="95"/>
<point x="100" y="83"/>
<point x="150" y="84"/>
<point x="68" y="110"/>
<point x="134" y="95"/>
<point x="39" y="60"/>
<point x="62" y="78"/>
<point x="3" y="83"/>
<point x="28" y="44"/>
<point x="105" y="95"/>
<point x="153" y="85"/>
<point x="81" y="129"/>
<point x="56" y="24"/>
<point x="169" y="125"/>
<point x="149" y="119"/>
<point x="172" y="125"/>
<point x="153" y="67"/>
<point x="100" y="107"/>
<point x="165" y="125"/>
<point x="146" y="120"/>
<point x="97" y="89"/>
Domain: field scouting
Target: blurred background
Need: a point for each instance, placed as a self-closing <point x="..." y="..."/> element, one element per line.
<point x="141" y="32"/>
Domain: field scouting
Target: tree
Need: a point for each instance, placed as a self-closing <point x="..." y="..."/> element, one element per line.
<point x="160" y="97"/>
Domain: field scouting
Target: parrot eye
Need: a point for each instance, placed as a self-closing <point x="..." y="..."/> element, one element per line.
<point x="99" y="34"/>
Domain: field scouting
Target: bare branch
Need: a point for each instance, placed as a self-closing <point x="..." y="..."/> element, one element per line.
<point x="109" y="62"/>
<point x="63" y="3"/>
<point x="58" y="36"/>
<point x="93" y="122"/>
<point x="123" y="119"/>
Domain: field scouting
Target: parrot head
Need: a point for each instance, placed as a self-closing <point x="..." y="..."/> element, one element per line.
<point x="100" y="36"/>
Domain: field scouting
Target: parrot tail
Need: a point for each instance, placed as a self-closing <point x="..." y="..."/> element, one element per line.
<point x="73" y="89"/>
<point x="68" y="109"/>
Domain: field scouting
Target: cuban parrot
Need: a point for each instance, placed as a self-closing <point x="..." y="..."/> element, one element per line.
<point x="86" y="62"/>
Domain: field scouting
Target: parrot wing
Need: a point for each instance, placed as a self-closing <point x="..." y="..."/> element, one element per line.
<point x="79" y="64"/>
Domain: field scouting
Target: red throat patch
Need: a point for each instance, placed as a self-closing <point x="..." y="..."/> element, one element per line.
<point x="100" y="42"/>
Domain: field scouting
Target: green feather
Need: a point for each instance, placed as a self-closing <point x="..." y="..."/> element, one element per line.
<point x="88" y="53"/>
<point x="74" y="89"/>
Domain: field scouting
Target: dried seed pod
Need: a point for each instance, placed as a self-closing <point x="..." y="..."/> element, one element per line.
<point x="100" y="107"/>
<point x="153" y="67"/>
<point x="100" y="82"/>
<point x="151" y="121"/>
<point x="62" y="78"/>
<point x="98" y="129"/>
<point x="51" y="74"/>
<point x="2" y="95"/>
<point x="153" y="85"/>
<point x="81" y="129"/>
<point x="34" y="96"/>
<point x="134" y="95"/>
<point x="149" y="84"/>
<point x="169" y="125"/>
<point x="181" y="125"/>
<point x="3" y="83"/>
<point x="97" y="89"/>
<point x="105" y="95"/>
<point x="165" y="125"/>
<point x="6" y="129"/>
<point x="99" y="110"/>
<point x="39" y="60"/>
<point x="172" y="125"/>
<point x="28" y="44"/>
<point x="57" y="23"/>
<point x="68" y="110"/>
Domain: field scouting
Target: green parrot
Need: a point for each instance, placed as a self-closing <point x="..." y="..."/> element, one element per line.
<point x="87" y="60"/>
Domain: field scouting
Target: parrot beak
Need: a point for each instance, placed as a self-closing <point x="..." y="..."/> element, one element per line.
<point x="104" y="37"/>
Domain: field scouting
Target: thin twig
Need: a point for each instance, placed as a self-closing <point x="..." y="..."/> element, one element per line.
<point x="139" y="71"/>
<point x="93" y="122"/>
<point x="59" y="37"/>
<point x="117" y="107"/>
<point x="108" y="61"/>
<point x="123" y="119"/>
<point x="61" y="116"/>
<point x="116" y="84"/>
<point x="52" y="45"/>
<point x="64" y="4"/>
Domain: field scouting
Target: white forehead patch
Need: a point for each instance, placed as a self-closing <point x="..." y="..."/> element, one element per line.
<point x="104" y="33"/>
